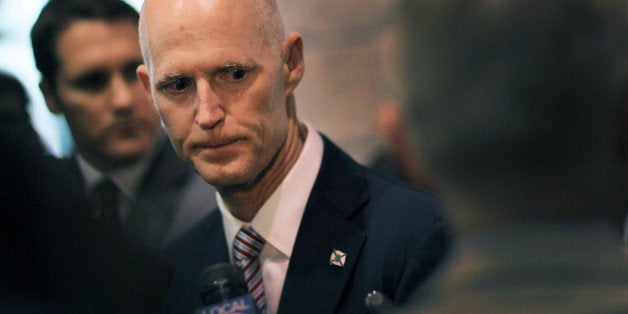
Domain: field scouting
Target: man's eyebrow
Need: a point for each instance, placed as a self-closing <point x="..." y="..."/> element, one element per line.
<point x="233" y="65"/>
<point x="229" y="64"/>
<point x="168" y="78"/>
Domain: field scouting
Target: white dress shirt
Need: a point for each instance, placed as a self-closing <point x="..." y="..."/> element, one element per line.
<point x="279" y="218"/>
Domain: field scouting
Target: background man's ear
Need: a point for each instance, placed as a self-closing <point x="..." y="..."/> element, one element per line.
<point x="50" y="96"/>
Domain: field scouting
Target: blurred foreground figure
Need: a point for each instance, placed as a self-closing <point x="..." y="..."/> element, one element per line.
<point x="54" y="258"/>
<point x="516" y="107"/>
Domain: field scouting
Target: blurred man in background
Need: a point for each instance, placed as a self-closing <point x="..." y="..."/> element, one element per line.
<point x="516" y="106"/>
<point x="87" y="53"/>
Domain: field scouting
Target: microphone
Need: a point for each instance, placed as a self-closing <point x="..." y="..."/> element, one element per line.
<point x="224" y="291"/>
<point x="377" y="302"/>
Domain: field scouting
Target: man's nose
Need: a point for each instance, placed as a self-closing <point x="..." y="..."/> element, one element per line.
<point x="210" y="111"/>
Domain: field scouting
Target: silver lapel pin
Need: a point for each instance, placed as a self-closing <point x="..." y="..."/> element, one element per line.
<point x="338" y="258"/>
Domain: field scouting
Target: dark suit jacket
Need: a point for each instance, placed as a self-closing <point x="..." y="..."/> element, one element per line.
<point x="54" y="258"/>
<point x="172" y="198"/>
<point x="393" y="236"/>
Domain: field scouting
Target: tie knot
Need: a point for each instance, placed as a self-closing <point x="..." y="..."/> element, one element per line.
<point x="105" y="185"/>
<point x="247" y="244"/>
<point x="104" y="196"/>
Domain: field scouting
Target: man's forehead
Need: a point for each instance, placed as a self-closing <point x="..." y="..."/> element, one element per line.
<point x="179" y="10"/>
<point x="206" y="18"/>
<point x="110" y="43"/>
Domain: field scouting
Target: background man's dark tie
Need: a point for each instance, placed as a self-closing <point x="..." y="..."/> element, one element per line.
<point x="105" y="198"/>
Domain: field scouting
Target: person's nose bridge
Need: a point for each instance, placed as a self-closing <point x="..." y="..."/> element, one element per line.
<point x="209" y="110"/>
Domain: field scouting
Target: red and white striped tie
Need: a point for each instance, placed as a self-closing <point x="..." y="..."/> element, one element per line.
<point x="246" y="248"/>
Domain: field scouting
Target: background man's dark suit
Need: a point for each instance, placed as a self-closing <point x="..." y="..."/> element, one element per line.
<point x="172" y="198"/>
<point x="54" y="257"/>
<point x="351" y="209"/>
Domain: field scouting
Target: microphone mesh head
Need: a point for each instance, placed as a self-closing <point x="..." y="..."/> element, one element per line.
<point x="221" y="282"/>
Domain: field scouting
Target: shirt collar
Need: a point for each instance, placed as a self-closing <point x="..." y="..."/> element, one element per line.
<point x="127" y="179"/>
<point x="278" y="219"/>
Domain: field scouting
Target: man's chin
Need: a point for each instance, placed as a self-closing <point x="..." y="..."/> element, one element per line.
<point x="124" y="161"/>
<point x="220" y="177"/>
<point x="125" y="158"/>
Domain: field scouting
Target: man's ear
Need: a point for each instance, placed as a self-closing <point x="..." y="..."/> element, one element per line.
<point x="292" y="57"/>
<point x="142" y="75"/>
<point x="50" y="96"/>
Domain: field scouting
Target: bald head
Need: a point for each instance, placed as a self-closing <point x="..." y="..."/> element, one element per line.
<point x="260" y="16"/>
<point x="221" y="73"/>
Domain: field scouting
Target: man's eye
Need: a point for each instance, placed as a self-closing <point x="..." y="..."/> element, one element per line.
<point x="237" y="74"/>
<point x="178" y="85"/>
<point x="232" y="74"/>
<point x="92" y="82"/>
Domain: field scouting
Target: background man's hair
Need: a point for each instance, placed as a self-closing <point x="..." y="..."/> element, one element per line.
<point x="58" y="15"/>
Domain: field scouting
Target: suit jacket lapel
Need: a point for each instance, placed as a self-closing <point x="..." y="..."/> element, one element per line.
<point x="165" y="171"/>
<point x="71" y="163"/>
<point x="312" y="282"/>
<point x="189" y="256"/>
<point x="215" y="234"/>
<point x="200" y="247"/>
<point x="156" y="204"/>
